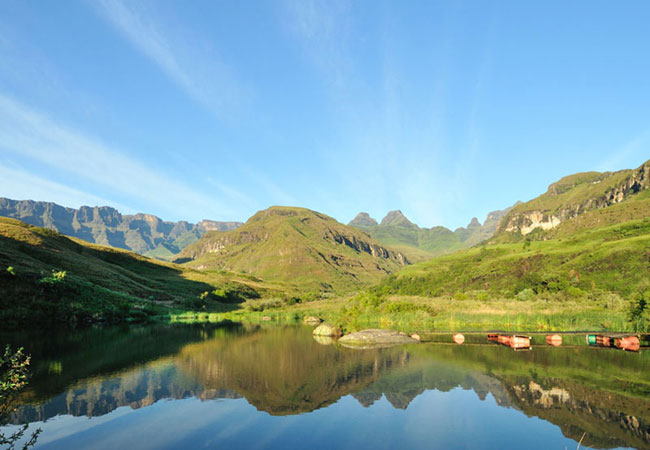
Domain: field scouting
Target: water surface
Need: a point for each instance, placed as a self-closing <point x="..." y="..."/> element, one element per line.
<point x="240" y="386"/>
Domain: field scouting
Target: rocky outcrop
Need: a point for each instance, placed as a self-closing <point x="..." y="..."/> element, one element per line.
<point x="563" y="202"/>
<point x="365" y="246"/>
<point x="529" y="221"/>
<point x="474" y="223"/>
<point x="104" y="225"/>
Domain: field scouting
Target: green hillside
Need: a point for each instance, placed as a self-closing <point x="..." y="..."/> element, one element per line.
<point x="303" y="248"/>
<point x="622" y="194"/>
<point x="614" y="259"/>
<point x="45" y="276"/>
<point x="582" y="247"/>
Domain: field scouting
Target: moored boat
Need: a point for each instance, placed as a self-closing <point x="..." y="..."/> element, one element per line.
<point x="629" y="343"/>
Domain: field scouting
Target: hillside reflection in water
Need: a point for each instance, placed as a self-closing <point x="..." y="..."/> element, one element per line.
<point x="276" y="387"/>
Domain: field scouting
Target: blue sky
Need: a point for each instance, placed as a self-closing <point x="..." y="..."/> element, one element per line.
<point x="203" y="109"/>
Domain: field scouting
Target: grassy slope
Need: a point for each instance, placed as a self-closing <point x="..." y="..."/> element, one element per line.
<point x="600" y="251"/>
<point x="100" y="283"/>
<point x="296" y="246"/>
<point x="615" y="258"/>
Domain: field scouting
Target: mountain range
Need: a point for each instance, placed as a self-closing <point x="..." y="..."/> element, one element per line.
<point x="588" y="235"/>
<point x="419" y="244"/>
<point x="141" y="233"/>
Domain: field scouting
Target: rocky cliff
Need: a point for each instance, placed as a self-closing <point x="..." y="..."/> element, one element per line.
<point x="573" y="196"/>
<point x="141" y="233"/>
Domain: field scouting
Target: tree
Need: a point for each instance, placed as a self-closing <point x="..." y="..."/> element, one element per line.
<point x="14" y="374"/>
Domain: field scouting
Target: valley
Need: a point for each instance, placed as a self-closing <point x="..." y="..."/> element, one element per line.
<point x="577" y="257"/>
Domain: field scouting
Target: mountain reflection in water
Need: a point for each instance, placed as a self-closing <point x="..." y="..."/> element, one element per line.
<point x="282" y="371"/>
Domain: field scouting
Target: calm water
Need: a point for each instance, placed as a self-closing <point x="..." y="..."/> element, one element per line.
<point x="270" y="387"/>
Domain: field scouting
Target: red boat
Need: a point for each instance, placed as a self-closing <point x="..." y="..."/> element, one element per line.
<point x="604" y="341"/>
<point x="630" y="343"/>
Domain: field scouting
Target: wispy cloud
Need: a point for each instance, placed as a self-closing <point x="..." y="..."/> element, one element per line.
<point x="323" y="31"/>
<point x="19" y="184"/>
<point x="187" y="59"/>
<point x="31" y="134"/>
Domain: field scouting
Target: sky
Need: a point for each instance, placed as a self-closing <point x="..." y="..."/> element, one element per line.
<point x="215" y="110"/>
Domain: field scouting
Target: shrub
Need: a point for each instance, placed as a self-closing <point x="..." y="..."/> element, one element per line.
<point x="13" y="378"/>
<point x="526" y="295"/>
<point x="639" y="312"/>
<point x="402" y="307"/>
<point x="234" y="293"/>
<point x="57" y="277"/>
<point x="458" y="295"/>
<point x="370" y="299"/>
<point x="575" y="292"/>
<point x="291" y="300"/>
<point x="11" y="270"/>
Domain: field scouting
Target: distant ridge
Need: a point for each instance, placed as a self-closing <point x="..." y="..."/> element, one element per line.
<point x="418" y="244"/>
<point x="141" y="233"/>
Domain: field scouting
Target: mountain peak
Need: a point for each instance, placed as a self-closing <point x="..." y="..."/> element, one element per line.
<point x="397" y="219"/>
<point x="474" y="223"/>
<point x="363" y="219"/>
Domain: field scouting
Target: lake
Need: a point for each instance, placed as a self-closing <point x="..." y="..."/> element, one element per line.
<point x="248" y="386"/>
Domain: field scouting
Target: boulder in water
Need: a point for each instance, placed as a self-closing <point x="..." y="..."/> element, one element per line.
<point x="325" y="329"/>
<point x="374" y="338"/>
